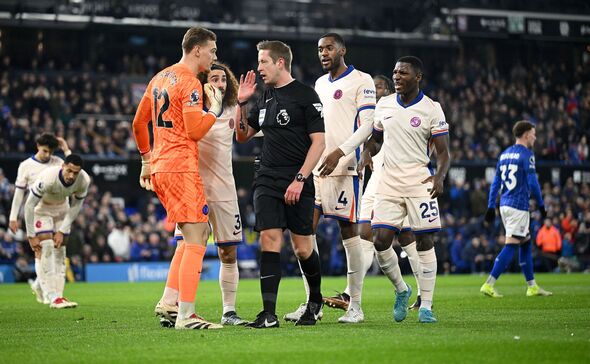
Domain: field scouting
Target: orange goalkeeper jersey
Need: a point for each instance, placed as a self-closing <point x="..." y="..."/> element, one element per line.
<point x="173" y="101"/>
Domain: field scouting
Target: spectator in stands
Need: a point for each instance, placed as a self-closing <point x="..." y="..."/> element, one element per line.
<point x="549" y="240"/>
<point x="119" y="240"/>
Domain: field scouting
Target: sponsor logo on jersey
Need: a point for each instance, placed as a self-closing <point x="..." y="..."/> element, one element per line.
<point x="337" y="94"/>
<point x="283" y="117"/>
<point x="415" y="121"/>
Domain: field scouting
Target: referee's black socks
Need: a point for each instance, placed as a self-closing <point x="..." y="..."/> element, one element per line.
<point x="312" y="271"/>
<point x="270" y="277"/>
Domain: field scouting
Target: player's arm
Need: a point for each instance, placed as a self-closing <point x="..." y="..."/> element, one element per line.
<point x="197" y="121"/>
<point x="63" y="145"/>
<point x="494" y="189"/>
<point x="245" y="132"/>
<point x="19" y="194"/>
<point x="534" y="186"/>
<point x="443" y="162"/>
<point x="365" y="105"/>
<point x="372" y="147"/>
<point x="142" y="138"/>
<point x="76" y="202"/>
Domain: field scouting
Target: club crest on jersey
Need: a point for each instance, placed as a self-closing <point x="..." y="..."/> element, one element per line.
<point x="283" y="117"/>
<point x="415" y="121"/>
<point x="38" y="224"/>
<point x="337" y="94"/>
<point x="194" y="98"/>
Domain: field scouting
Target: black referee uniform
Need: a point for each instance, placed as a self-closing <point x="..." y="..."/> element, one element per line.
<point x="286" y="115"/>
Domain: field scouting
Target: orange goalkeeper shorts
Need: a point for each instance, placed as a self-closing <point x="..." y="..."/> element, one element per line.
<point x="182" y="195"/>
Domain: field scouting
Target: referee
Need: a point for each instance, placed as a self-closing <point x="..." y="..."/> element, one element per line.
<point x="290" y="116"/>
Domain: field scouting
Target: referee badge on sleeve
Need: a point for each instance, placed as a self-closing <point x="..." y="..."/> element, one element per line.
<point x="261" y="115"/>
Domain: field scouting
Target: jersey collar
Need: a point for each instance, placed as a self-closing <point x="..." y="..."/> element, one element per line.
<point x="414" y="102"/>
<point x="348" y="70"/>
<point x="38" y="161"/>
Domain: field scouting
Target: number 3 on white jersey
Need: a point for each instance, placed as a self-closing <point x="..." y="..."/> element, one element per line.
<point x="510" y="178"/>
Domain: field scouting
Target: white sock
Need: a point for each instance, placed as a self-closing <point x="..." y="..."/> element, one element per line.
<point x="427" y="277"/>
<point x="354" y="263"/>
<point x="368" y="254"/>
<point x="170" y="296"/>
<point x="531" y="283"/>
<point x="185" y="309"/>
<point x="389" y="265"/>
<point x="59" y="258"/>
<point x="305" y="284"/>
<point x="229" y="276"/>
<point x="414" y="259"/>
<point x="37" y="282"/>
<point x="491" y="280"/>
<point x="48" y="270"/>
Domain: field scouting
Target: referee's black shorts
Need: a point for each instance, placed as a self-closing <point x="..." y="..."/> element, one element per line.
<point x="273" y="213"/>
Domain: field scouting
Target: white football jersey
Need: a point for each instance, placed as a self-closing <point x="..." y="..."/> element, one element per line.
<point x="215" y="158"/>
<point x="407" y="143"/>
<point x="29" y="169"/>
<point x="52" y="190"/>
<point x="348" y="102"/>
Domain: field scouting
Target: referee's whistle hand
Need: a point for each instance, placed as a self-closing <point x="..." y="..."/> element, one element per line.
<point x="293" y="193"/>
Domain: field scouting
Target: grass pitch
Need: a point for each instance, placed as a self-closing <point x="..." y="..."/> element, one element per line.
<point x="115" y="323"/>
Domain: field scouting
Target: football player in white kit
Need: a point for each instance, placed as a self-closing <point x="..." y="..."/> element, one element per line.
<point x="215" y="168"/>
<point x="49" y="216"/>
<point x="408" y="123"/>
<point x="28" y="171"/>
<point x="348" y="99"/>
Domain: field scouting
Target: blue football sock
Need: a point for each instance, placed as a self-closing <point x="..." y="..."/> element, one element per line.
<point x="525" y="259"/>
<point x="503" y="260"/>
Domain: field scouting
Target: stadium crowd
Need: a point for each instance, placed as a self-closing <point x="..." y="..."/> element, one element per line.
<point x="92" y="109"/>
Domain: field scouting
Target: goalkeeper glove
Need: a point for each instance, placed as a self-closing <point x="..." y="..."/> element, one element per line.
<point x="490" y="215"/>
<point x="215" y="98"/>
<point x="145" y="177"/>
<point x="543" y="212"/>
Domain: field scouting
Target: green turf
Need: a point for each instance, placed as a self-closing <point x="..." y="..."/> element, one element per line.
<point x="115" y="323"/>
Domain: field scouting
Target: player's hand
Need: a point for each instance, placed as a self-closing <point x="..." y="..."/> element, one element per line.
<point x="365" y="160"/>
<point x="437" y="186"/>
<point x="490" y="215"/>
<point x="214" y="98"/>
<point x="247" y="86"/>
<point x="63" y="145"/>
<point x="35" y="244"/>
<point x="13" y="226"/>
<point x="58" y="239"/>
<point x="293" y="192"/>
<point x="145" y="177"/>
<point x="543" y="212"/>
<point x="330" y="162"/>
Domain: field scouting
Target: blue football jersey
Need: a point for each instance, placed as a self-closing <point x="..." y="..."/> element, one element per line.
<point x="515" y="179"/>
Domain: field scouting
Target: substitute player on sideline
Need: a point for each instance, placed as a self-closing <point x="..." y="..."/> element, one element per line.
<point x="49" y="217"/>
<point x="348" y="99"/>
<point x="515" y="179"/>
<point x="173" y="101"/>
<point x="28" y="171"/>
<point x="407" y="123"/>
<point x="215" y="168"/>
<point x="290" y="115"/>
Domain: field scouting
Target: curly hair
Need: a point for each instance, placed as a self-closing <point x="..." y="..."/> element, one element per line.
<point x="231" y="91"/>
